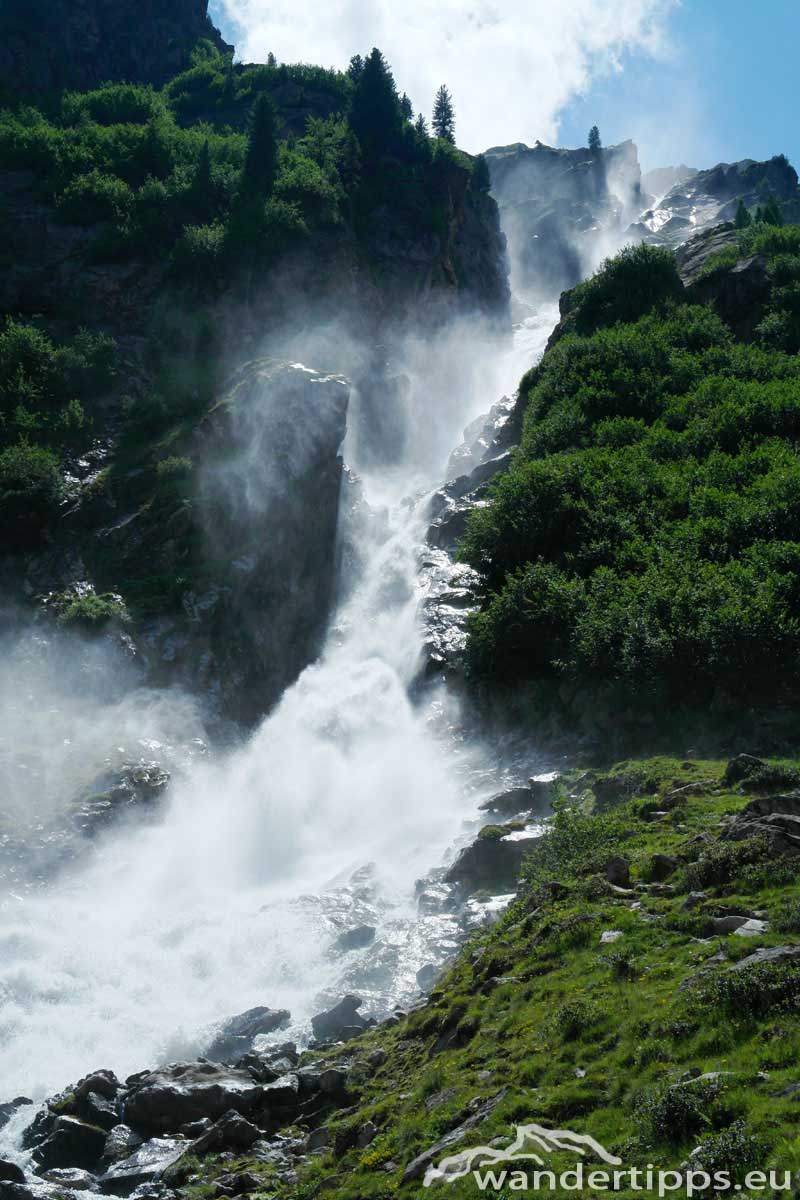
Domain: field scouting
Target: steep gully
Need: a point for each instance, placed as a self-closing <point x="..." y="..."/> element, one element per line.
<point x="336" y="816"/>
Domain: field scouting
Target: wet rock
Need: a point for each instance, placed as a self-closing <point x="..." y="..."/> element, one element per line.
<point x="10" y="1172"/>
<point x="144" y="1166"/>
<point x="70" y="1143"/>
<point x="426" y="977"/>
<point x="231" y="1132"/>
<point x="15" y="1191"/>
<point x="72" y="1179"/>
<point x="355" y="939"/>
<point x="10" y="1107"/>
<point x="493" y="862"/>
<point x="237" y="1035"/>
<point x="281" y="1094"/>
<point x="618" y="871"/>
<point x="509" y="804"/>
<point x="99" y="1111"/>
<point x="102" y="1083"/>
<point x="120" y="1143"/>
<point x="162" y="1101"/>
<point x="329" y="1026"/>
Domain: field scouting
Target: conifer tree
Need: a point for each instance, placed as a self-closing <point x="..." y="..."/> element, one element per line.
<point x="444" y="119"/>
<point x="202" y="188"/>
<point x="421" y="126"/>
<point x="356" y="67"/>
<point x="406" y="107"/>
<point x="271" y="60"/>
<point x="261" y="159"/>
<point x="594" y="140"/>
<point x="743" y="218"/>
<point x="375" y="115"/>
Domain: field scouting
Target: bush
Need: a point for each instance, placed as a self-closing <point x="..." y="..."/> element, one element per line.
<point x="626" y="287"/>
<point x="94" y="197"/>
<point x="113" y="104"/>
<point x="670" y="1115"/>
<point x="199" y="254"/>
<point x="754" y="991"/>
<point x="30" y="490"/>
<point x="92" y="612"/>
<point x="174" y="468"/>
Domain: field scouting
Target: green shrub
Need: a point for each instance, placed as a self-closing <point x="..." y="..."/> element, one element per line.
<point x="199" y="254"/>
<point x="113" y="104"/>
<point x="30" y="490"/>
<point x="575" y="1018"/>
<point x="174" y="468"/>
<point x="755" y="991"/>
<point x="670" y="1115"/>
<point x="722" y="863"/>
<point x="626" y="287"/>
<point x="94" y="197"/>
<point x="92" y="612"/>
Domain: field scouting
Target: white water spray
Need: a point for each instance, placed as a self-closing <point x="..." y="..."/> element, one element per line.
<point x="342" y="798"/>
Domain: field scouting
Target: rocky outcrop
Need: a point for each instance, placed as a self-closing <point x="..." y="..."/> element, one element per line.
<point x="48" y="45"/>
<point x="560" y="208"/>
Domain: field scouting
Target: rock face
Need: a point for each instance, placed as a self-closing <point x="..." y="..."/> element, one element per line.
<point x="164" y="1100"/>
<point x="709" y="197"/>
<point x="48" y="45"/>
<point x="559" y="206"/>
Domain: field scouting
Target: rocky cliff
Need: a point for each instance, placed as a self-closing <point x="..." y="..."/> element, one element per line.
<point x="560" y="208"/>
<point x="47" y="45"/>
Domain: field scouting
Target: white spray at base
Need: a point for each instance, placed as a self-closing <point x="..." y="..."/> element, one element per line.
<point x="344" y="796"/>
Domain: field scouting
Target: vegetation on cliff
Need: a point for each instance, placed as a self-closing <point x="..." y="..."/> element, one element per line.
<point x="648" y="532"/>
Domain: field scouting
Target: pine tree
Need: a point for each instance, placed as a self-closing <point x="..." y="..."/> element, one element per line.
<point x="481" y="177"/>
<point x="743" y="218"/>
<point x="421" y="126"/>
<point x="375" y="115"/>
<point x="271" y="60"/>
<point x="406" y="107"/>
<point x="772" y="212"/>
<point x="444" y="119"/>
<point x="594" y="140"/>
<point x="261" y="159"/>
<point x="356" y="67"/>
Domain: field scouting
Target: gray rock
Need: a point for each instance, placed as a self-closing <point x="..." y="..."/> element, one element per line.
<point x="144" y="1166"/>
<point x="231" y="1132"/>
<point x="333" y="1081"/>
<point x="493" y="862"/>
<point x="237" y="1035"/>
<point x="120" y="1143"/>
<point x="10" y="1172"/>
<point x="355" y="939"/>
<point x="329" y="1026"/>
<point x="99" y="1111"/>
<point x="281" y="1094"/>
<point x="420" y="1164"/>
<point x="741" y="767"/>
<point x="662" y="866"/>
<point x="775" y="955"/>
<point x="102" y="1083"/>
<point x="70" y="1143"/>
<point x="510" y="803"/>
<point x="618" y="871"/>
<point x="162" y="1101"/>
<point x="692" y="901"/>
<point x="318" y="1139"/>
<point x="366" y="1135"/>
<point x="72" y="1179"/>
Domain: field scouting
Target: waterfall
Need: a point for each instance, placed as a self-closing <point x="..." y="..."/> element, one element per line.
<point x="346" y="795"/>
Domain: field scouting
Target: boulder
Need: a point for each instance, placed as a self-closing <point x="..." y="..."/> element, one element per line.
<point x="98" y="1111"/>
<point x="162" y="1101"/>
<point x="355" y="939"/>
<point x="72" y="1179"/>
<point x="102" y="1083"/>
<point x="281" y="1094"/>
<point x="10" y="1107"/>
<point x="662" y="866"/>
<point x="237" y="1035"/>
<point x="10" y="1172"/>
<point x="144" y="1166"/>
<point x="15" y="1191"/>
<point x="618" y="871"/>
<point x="231" y="1132"/>
<point x="70" y="1143"/>
<point x="120" y="1143"/>
<point x="510" y="803"/>
<point x="740" y="768"/>
<point x="421" y="1164"/>
<point x="774" y="956"/>
<point x="493" y="862"/>
<point x="329" y="1026"/>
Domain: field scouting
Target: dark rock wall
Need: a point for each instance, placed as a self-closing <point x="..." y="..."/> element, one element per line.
<point x="47" y="45"/>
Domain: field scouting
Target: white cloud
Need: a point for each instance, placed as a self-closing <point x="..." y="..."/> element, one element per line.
<point x="511" y="65"/>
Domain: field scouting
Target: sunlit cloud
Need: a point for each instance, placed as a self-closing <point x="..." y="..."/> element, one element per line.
<point x="511" y="66"/>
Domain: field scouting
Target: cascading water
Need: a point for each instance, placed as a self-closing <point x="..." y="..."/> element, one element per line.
<point x="346" y="794"/>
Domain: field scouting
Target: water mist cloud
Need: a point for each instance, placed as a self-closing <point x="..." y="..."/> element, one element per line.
<point x="511" y="66"/>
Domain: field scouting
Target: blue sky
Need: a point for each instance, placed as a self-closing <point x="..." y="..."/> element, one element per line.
<point x="727" y="88"/>
<point x="695" y="81"/>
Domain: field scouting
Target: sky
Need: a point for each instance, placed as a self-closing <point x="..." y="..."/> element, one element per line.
<point x="692" y="81"/>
